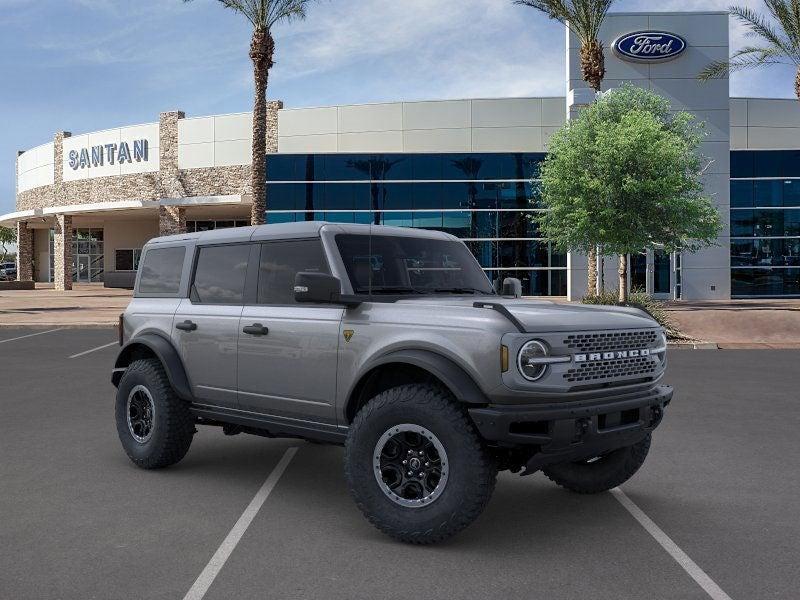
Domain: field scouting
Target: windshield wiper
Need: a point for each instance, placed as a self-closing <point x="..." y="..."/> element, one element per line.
<point x="460" y="290"/>
<point x="389" y="289"/>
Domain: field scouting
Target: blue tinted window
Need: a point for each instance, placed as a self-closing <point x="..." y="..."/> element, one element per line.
<point x="282" y="196"/>
<point x="281" y="167"/>
<point x="426" y="166"/>
<point x="765" y="282"/>
<point x="791" y="192"/>
<point x="458" y="224"/>
<point x="273" y="217"/>
<point x="768" y="193"/>
<point x="455" y="195"/>
<point x="768" y="163"/>
<point x="428" y="220"/>
<point x="741" y="194"/>
<point x="426" y="195"/>
<point x="340" y="196"/>
<point x="742" y="164"/>
<point x="393" y="196"/>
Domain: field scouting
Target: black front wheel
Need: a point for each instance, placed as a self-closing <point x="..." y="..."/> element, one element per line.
<point x="600" y="473"/>
<point x="415" y="465"/>
<point x="153" y="424"/>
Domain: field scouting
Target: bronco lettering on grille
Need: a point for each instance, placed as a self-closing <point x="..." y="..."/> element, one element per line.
<point x="611" y="355"/>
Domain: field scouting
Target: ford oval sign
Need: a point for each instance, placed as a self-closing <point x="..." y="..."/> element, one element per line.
<point x="649" y="46"/>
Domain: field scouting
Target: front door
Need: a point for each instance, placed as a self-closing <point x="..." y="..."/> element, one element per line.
<point x="288" y="352"/>
<point x="206" y="325"/>
<point x="83" y="268"/>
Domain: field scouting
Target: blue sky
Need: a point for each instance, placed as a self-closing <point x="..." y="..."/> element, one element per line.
<point x="84" y="65"/>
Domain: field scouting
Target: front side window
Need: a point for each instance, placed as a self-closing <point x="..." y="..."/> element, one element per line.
<point x="220" y="274"/>
<point x="161" y="271"/>
<point x="383" y="264"/>
<point x="281" y="261"/>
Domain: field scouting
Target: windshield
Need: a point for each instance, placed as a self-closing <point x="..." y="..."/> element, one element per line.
<point x="388" y="264"/>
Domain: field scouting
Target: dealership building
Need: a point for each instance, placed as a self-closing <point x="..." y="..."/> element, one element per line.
<point x="86" y="204"/>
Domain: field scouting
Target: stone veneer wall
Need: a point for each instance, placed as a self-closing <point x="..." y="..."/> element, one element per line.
<point x="24" y="249"/>
<point x="62" y="250"/>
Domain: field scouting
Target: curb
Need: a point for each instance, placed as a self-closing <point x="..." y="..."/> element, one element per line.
<point x="693" y="345"/>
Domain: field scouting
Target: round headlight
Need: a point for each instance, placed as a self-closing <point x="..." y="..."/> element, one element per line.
<point x="526" y="360"/>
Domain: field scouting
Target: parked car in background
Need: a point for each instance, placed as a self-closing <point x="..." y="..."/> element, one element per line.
<point x="8" y="271"/>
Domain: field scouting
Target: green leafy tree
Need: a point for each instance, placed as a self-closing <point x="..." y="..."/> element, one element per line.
<point x="584" y="19"/>
<point x="626" y="175"/>
<point x="8" y="236"/>
<point x="778" y="40"/>
<point x="263" y="15"/>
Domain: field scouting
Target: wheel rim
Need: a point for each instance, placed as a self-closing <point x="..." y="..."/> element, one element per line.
<point x="140" y="411"/>
<point x="410" y="465"/>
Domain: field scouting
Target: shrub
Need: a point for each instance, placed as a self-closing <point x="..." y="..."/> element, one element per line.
<point x="638" y="299"/>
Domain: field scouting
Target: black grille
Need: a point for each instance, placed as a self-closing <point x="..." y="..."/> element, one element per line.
<point x="617" y="340"/>
<point x="639" y="366"/>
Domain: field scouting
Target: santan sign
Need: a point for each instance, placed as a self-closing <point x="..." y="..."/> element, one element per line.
<point x="649" y="46"/>
<point x="97" y="156"/>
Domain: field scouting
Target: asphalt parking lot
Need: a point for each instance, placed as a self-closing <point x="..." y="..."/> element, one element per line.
<point x="78" y="520"/>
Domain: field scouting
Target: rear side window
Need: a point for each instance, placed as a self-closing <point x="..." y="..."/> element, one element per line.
<point x="281" y="261"/>
<point x="220" y="274"/>
<point x="161" y="270"/>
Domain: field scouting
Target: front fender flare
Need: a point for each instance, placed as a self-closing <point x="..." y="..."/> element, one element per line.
<point x="165" y="352"/>
<point x="454" y="377"/>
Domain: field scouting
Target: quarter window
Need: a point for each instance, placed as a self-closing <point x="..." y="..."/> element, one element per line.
<point x="220" y="274"/>
<point x="280" y="262"/>
<point x="161" y="271"/>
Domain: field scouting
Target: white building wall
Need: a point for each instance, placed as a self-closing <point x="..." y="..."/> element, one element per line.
<point x="116" y="136"/>
<point x="35" y="167"/>
<point x="706" y="275"/>
<point x="765" y="124"/>
<point x="480" y="125"/>
<point x="215" y="141"/>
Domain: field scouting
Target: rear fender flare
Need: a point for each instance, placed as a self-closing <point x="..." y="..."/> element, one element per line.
<point x="166" y="354"/>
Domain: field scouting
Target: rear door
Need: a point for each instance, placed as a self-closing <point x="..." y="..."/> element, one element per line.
<point x="206" y="325"/>
<point x="288" y="351"/>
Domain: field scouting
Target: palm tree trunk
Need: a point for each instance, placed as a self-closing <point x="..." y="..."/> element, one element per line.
<point x="593" y="64"/>
<point x="797" y="84"/>
<point x="623" y="278"/>
<point x="593" y="70"/>
<point x="262" y="48"/>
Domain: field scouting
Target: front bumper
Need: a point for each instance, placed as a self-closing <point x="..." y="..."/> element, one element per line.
<point x="554" y="433"/>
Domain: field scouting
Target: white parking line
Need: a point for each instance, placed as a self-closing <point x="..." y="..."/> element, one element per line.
<point x="688" y="565"/>
<point x="22" y="337"/>
<point x="206" y="578"/>
<point x="85" y="352"/>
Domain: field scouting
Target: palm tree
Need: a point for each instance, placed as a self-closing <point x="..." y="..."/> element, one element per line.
<point x="780" y="42"/>
<point x="263" y="15"/>
<point x="584" y="19"/>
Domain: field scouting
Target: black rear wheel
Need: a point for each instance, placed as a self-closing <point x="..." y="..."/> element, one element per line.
<point x="153" y="424"/>
<point x="415" y="465"/>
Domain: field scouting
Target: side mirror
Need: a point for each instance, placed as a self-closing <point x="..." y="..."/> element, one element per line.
<point x="320" y="288"/>
<point x="512" y="287"/>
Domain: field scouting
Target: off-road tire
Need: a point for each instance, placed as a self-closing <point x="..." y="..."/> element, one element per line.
<point x="472" y="471"/>
<point x="173" y="425"/>
<point x="607" y="472"/>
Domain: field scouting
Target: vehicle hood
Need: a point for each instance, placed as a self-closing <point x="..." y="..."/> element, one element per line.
<point x="543" y="316"/>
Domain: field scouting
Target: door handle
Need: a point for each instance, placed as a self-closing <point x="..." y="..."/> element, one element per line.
<point x="186" y="326"/>
<point x="255" y="329"/>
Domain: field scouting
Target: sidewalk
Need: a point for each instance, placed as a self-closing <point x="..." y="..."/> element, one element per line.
<point x="87" y="305"/>
<point x="741" y="323"/>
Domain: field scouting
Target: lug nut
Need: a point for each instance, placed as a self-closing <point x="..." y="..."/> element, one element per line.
<point x="405" y="461"/>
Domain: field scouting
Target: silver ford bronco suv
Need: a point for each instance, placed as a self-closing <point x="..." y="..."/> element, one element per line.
<point x="393" y="343"/>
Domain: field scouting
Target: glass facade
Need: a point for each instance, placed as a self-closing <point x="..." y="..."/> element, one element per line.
<point x="485" y="199"/>
<point x="765" y="223"/>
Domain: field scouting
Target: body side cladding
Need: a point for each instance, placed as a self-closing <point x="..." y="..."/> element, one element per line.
<point x="165" y="352"/>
